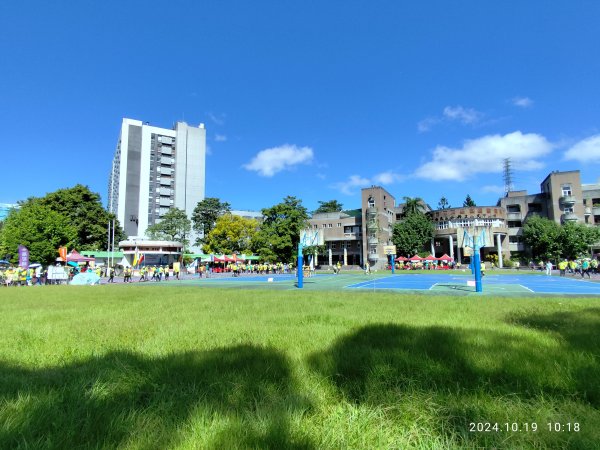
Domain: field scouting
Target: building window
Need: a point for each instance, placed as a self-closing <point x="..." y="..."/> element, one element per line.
<point x="333" y="245"/>
<point x="534" y="207"/>
<point x="514" y="224"/>
<point x="371" y="202"/>
<point x="568" y="210"/>
<point x="513" y="208"/>
<point x="329" y="225"/>
<point x="324" y="225"/>
<point x="514" y="239"/>
<point x="339" y="225"/>
<point x="566" y="190"/>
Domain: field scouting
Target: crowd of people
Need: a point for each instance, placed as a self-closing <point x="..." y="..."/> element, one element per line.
<point x="17" y="276"/>
<point x="581" y="267"/>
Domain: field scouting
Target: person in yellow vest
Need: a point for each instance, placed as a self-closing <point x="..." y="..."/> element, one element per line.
<point x="482" y="269"/>
<point x="9" y="275"/>
<point x="562" y="266"/>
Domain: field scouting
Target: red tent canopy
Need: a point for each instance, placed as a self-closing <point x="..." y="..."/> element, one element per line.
<point x="401" y="258"/>
<point x="224" y="258"/>
<point x="77" y="257"/>
<point x="430" y="258"/>
<point x="416" y="258"/>
<point x="445" y="257"/>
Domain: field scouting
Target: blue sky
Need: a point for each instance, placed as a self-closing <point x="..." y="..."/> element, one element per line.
<point x="314" y="99"/>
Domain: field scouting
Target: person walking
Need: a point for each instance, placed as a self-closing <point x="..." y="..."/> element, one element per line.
<point x="548" y="267"/>
<point x="585" y="268"/>
<point x="110" y="271"/>
<point x="367" y="268"/>
<point x="562" y="266"/>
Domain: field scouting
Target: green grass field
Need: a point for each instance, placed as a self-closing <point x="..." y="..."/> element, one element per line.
<point x="131" y="366"/>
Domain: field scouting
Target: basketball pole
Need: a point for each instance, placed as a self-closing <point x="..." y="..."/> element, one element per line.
<point x="477" y="264"/>
<point x="300" y="266"/>
<point x="477" y="261"/>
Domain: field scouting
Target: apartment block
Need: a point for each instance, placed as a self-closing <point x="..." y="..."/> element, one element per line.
<point x="155" y="169"/>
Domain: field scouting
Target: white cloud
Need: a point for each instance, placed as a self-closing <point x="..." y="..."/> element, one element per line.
<point x="220" y="138"/>
<point x="427" y="124"/>
<point x="349" y="186"/>
<point x="465" y="116"/>
<point x="387" y="178"/>
<point x="218" y="119"/>
<point x="353" y="182"/>
<point x="585" y="151"/>
<point x="522" y="102"/>
<point x="485" y="155"/>
<point x="270" y="161"/>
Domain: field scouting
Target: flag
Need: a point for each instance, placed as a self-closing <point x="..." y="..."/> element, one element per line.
<point x="62" y="251"/>
<point x="136" y="257"/>
<point x="141" y="259"/>
<point x="23" y="257"/>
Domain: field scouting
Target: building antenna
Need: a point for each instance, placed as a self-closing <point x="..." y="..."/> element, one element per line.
<point x="508" y="176"/>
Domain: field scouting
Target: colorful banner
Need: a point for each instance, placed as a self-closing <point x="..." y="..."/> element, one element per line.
<point x="23" y="257"/>
<point x="62" y="251"/>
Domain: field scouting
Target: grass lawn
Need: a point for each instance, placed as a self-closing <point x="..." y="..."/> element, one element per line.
<point x="130" y="366"/>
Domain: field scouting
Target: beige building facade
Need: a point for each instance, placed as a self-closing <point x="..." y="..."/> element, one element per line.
<point x="356" y="236"/>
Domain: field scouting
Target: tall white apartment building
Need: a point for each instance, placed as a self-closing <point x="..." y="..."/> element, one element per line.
<point x="155" y="169"/>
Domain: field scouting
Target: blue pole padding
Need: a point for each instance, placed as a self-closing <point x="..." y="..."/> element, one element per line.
<point x="300" y="267"/>
<point x="393" y="262"/>
<point x="477" y="270"/>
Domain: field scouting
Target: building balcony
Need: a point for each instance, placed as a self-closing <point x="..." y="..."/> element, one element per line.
<point x="596" y="210"/>
<point x="569" y="217"/>
<point x="588" y="211"/>
<point x="567" y="200"/>
<point x="373" y="256"/>
<point x="513" y="215"/>
<point x="373" y="240"/>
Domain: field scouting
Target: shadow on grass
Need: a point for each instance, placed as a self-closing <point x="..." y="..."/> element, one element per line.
<point x="123" y="398"/>
<point x="467" y="375"/>
<point x="579" y="332"/>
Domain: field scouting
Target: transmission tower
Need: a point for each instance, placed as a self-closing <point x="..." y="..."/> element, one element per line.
<point x="508" y="176"/>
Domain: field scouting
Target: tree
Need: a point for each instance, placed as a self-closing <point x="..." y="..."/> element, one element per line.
<point x="412" y="234"/>
<point x="206" y="214"/>
<point x="542" y="236"/>
<point x="443" y="203"/>
<point x="173" y="226"/>
<point x="38" y="228"/>
<point x="85" y="212"/>
<point x="469" y="201"/>
<point x="330" y="206"/>
<point x="412" y="206"/>
<point x="279" y="234"/>
<point x="231" y="234"/>
<point x="575" y="239"/>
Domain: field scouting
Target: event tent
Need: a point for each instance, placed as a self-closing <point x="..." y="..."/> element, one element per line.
<point x="445" y="257"/>
<point x="415" y="258"/>
<point x="77" y="257"/>
<point x="401" y="258"/>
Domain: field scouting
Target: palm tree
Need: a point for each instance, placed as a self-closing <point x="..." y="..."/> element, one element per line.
<point x="412" y="206"/>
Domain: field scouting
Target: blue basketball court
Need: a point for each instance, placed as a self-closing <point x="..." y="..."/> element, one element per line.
<point x="496" y="284"/>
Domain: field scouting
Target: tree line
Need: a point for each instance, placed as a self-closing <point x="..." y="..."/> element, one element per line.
<point x="75" y="218"/>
